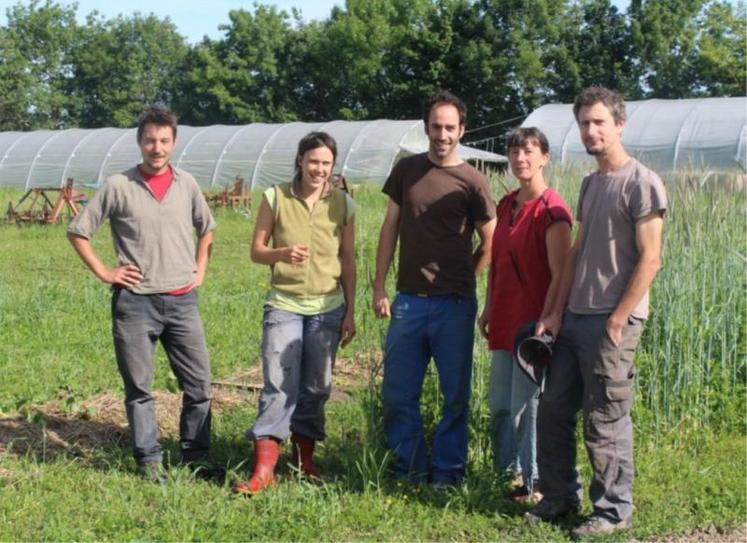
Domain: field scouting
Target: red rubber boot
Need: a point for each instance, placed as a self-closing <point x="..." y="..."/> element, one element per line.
<point x="302" y="455"/>
<point x="266" y="453"/>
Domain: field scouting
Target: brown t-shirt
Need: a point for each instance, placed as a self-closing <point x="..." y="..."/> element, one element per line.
<point x="438" y="211"/>
<point x="609" y="207"/>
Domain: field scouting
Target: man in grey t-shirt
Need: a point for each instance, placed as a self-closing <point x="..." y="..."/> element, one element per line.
<point x="605" y="285"/>
<point x="154" y="210"/>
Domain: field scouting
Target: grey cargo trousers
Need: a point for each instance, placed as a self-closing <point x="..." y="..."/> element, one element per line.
<point x="588" y="371"/>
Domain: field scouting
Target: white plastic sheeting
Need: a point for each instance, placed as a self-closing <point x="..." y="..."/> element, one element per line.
<point x="664" y="134"/>
<point x="262" y="154"/>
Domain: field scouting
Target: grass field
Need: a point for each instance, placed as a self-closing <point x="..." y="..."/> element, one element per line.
<point x="56" y="361"/>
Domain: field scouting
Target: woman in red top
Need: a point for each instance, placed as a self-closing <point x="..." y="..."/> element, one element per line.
<point x="530" y="243"/>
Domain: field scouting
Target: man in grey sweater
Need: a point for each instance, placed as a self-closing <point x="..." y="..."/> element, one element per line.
<point x="153" y="211"/>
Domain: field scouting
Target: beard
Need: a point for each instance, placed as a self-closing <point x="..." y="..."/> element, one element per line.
<point x="594" y="150"/>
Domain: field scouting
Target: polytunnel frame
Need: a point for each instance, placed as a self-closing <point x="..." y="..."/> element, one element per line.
<point x="71" y="156"/>
<point x="677" y="140"/>
<point x="697" y="106"/>
<point x="224" y="150"/>
<point x="92" y="153"/>
<point x="187" y="145"/>
<point x="354" y="145"/>
<point x="13" y="146"/>
<point x="53" y="136"/>
<point x="264" y="150"/>
<point x="99" y="177"/>
<point x="399" y="143"/>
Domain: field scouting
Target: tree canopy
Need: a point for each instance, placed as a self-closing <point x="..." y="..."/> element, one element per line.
<point x="369" y="59"/>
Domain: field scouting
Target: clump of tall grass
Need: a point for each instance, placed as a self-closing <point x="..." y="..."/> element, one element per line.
<point x="693" y="360"/>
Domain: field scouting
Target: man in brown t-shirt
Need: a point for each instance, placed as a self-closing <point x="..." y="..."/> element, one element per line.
<point x="605" y="284"/>
<point x="436" y="202"/>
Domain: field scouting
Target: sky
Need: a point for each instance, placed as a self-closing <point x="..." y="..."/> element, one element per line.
<point x="198" y="18"/>
<point x="193" y="18"/>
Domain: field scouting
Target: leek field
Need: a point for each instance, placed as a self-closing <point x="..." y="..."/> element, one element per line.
<point x="66" y="471"/>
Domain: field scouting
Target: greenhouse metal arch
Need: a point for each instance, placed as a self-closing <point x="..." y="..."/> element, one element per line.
<point x="665" y="134"/>
<point x="262" y="154"/>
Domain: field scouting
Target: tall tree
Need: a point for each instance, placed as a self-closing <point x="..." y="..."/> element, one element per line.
<point x="16" y="85"/>
<point x="122" y="64"/>
<point x="720" y="65"/>
<point x="595" y="48"/>
<point x="241" y="78"/>
<point x="36" y="52"/>
<point x="344" y="66"/>
<point x="664" y="36"/>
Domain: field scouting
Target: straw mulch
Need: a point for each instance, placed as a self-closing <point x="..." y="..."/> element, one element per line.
<point x="100" y="422"/>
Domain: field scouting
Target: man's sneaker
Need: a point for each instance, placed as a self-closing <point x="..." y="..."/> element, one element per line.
<point x="598" y="526"/>
<point x="440" y="486"/>
<point x="548" y="510"/>
<point x="152" y="472"/>
<point x="208" y="470"/>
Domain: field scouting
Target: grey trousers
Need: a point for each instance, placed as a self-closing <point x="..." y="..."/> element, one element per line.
<point x="138" y="322"/>
<point x="587" y="371"/>
<point x="298" y="354"/>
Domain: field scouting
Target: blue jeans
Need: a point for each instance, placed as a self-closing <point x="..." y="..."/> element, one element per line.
<point x="298" y="352"/>
<point x="138" y="322"/>
<point x="421" y="327"/>
<point x="513" y="400"/>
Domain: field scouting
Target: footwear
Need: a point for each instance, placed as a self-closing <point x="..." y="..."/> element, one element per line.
<point x="598" y="526"/>
<point x="521" y="494"/>
<point x="440" y="486"/>
<point x="548" y="510"/>
<point x="207" y="470"/>
<point x="152" y="472"/>
<point x="302" y="452"/>
<point x="266" y="453"/>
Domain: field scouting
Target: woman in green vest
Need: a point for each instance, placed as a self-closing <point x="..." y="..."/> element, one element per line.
<point x="305" y="233"/>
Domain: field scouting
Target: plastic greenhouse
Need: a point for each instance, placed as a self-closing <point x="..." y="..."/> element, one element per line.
<point x="260" y="153"/>
<point x="664" y="134"/>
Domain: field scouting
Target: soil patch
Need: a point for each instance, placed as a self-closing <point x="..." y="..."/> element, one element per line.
<point x="709" y="534"/>
<point x="68" y="426"/>
<point x="97" y="422"/>
<point x="348" y="374"/>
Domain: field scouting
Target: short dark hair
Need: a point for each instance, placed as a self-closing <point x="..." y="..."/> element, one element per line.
<point x="157" y="114"/>
<point x="445" y="97"/>
<point x="311" y="141"/>
<point x="597" y="94"/>
<point x="519" y="137"/>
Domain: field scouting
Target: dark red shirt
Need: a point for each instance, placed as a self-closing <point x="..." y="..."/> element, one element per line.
<point x="158" y="183"/>
<point x="519" y="269"/>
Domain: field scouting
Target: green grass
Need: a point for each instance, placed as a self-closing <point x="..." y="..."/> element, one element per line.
<point x="55" y="342"/>
<point x="99" y="498"/>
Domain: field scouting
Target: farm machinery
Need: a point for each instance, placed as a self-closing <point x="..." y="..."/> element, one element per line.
<point x="41" y="206"/>
<point x="231" y="196"/>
